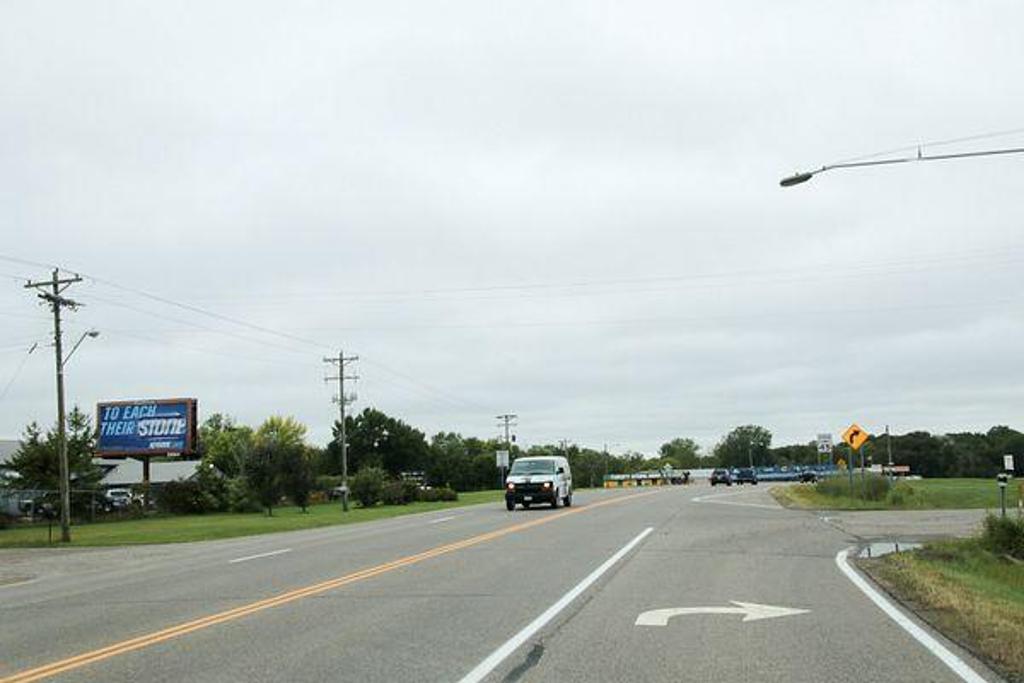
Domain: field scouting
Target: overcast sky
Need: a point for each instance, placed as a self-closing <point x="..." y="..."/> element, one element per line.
<point x="564" y="210"/>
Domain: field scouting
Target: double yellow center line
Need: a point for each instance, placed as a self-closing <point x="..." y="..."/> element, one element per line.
<point x="143" y="641"/>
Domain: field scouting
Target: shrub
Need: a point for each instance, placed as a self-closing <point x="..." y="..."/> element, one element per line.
<point x="902" y="495"/>
<point x="240" y="498"/>
<point x="410" y="490"/>
<point x="368" y="484"/>
<point x="874" y="487"/>
<point x="326" y="482"/>
<point x="393" y="493"/>
<point x="432" y="495"/>
<point x="297" y="476"/>
<point x="1004" y="536"/>
<point x="184" y="497"/>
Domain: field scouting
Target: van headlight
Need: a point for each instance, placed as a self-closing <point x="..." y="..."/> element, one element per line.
<point x="547" y="484"/>
<point x="510" y="486"/>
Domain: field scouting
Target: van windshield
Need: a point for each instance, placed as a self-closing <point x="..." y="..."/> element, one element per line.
<point x="533" y="467"/>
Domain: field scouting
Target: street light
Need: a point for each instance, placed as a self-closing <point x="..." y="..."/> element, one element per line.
<point x="65" y="474"/>
<point x="92" y="334"/>
<point x="803" y="177"/>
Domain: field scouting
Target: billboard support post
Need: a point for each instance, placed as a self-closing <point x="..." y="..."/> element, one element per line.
<point x="145" y="483"/>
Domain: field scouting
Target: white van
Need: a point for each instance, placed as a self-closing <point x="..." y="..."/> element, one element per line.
<point x="545" y="479"/>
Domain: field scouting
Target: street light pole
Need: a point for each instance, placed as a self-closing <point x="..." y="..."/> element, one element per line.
<point x="803" y="177"/>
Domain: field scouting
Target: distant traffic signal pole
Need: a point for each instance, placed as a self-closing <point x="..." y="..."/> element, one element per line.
<point x="803" y="177"/>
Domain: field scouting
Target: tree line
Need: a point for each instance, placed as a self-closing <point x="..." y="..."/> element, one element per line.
<point x="244" y="467"/>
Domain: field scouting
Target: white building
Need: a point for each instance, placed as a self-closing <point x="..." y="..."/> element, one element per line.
<point x="126" y="472"/>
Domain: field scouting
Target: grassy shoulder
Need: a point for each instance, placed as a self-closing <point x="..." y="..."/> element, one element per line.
<point x="185" y="528"/>
<point x="970" y="594"/>
<point x="920" y="494"/>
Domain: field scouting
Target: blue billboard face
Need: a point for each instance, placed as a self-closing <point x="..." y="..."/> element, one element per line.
<point x="146" y="427"/>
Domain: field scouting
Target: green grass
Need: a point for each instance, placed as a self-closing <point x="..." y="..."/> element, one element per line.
<point x="924" y="494"/>
<point x="968" y="593"/>
<point x="185" y="528"/>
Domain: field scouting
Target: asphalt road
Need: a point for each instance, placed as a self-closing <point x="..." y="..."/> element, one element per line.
<point x="439" y="596"/>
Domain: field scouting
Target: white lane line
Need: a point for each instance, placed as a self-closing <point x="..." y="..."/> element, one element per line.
<point x="256" y="557"/>
<point x="443" y="519"/>
<point x="959" y="667"/>
<point x="498" y="656"/>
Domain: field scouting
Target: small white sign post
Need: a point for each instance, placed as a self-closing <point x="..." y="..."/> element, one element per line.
<point x="825" y="447"/>
<point x="1008" y="463"/>
<point x="501" y="459"/>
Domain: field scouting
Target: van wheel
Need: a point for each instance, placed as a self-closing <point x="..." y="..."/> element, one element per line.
<point x="567" y="501"/>
<point x="510" y="505"/>
<point x="556" y="500"/>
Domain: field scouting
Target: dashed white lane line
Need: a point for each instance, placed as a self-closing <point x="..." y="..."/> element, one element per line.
<point x="512" y="644"/>
<point x="958" y="666"/>
<point x="442" y="519"/>
<point x="256" y="557"/>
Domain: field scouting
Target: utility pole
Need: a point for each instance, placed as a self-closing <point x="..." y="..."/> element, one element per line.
<point x="341" y="361"/>
<point x="888" y="446"/>
<point x="506" y="421"/>
<point x="57" y="285"/>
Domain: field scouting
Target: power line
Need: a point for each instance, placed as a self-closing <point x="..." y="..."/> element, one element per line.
<point x="195" y="325"/>
<point x="204" y="312"/>
<point x="934" y="143"/>
<point x="1003" y="256"/>
<point x="17" y="371"/>
<point x="426" y="387"/>
<point x="200" y="349"/>
<point x="26" y="262"/>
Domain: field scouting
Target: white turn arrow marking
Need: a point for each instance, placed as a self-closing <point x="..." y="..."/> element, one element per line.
<point x="751" y="611"/>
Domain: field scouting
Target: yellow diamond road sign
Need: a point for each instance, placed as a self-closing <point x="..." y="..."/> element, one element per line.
<point x="855" y="436"/>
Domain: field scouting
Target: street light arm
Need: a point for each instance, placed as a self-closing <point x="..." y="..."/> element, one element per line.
<point x="90" y="333"/>
<point x="799" y="178"/>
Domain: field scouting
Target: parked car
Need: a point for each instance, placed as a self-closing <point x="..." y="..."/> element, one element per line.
<point x="336" y="493"/>
<point x="746" y="475"/>
<point x="117" y="499"/>
<point x="539" y="480"/>
<point x="721" y="476"/>
<point x="808" y="477"/>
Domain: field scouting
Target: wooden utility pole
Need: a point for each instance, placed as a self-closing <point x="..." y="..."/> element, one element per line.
<point x="56" y="286"/>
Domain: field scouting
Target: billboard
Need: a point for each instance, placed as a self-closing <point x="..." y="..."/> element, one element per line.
<point x="149" y="427"/>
